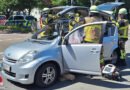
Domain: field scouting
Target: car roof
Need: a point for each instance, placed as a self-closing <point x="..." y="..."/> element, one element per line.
<point x="65" y="7"/>
<point x="114" y="3"/>
<point x="22" y="15"/>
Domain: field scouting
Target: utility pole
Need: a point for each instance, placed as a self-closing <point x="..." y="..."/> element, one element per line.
<point x="92" y="2"/>
<point x="72" y="2"/>
<point x="116" y="0"/>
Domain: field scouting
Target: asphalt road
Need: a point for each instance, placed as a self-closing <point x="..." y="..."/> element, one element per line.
<point x="80" y="83"/>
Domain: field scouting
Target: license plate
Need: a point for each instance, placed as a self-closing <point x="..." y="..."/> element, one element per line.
<point x="6" y="67"/>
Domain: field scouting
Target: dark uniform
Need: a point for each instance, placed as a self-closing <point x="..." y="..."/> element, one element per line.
<point x="122" y="24"/>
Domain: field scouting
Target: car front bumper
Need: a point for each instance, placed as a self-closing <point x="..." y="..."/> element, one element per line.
<point x="23" y="74"/>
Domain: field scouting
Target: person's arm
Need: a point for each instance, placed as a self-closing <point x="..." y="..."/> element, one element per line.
<point x="121" y="23"/>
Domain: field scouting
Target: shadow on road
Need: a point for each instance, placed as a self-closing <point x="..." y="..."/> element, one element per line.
<point x="83" y="79"/>
<point x="126" y="69"/>
<point x="79" y="79"/>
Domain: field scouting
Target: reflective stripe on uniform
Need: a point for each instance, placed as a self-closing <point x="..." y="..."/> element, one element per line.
<point x="123" y="54"/>
<point x="117" y="24"/>
<point x="125" y="32"/>
<point x="77" y="19"/>
<point x="42" y="34"/>
<point x="102" y="61"/>
<point x="71" y="25"/>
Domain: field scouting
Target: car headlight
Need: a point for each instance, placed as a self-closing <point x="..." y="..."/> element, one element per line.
<point x="28" y="57"/>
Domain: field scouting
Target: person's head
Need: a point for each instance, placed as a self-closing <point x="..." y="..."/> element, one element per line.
<point x="77" y="14"/>
<point x="94" y="9"/>
<point x="45" y="12"/>
<point x="122" y="13"/>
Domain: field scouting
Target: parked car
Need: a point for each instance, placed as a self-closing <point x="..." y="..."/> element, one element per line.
<point x="2" y="19"/>
<point x="112" y="8"/>
<point x="41" y="60"/>
<point x="20" y="20"/>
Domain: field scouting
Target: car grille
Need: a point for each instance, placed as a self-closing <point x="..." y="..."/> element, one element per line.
<point x="10" y="73"/>
<point x="10" y="60"/>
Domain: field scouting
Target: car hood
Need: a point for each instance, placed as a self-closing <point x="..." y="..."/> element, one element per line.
<point x="17" y="50"/>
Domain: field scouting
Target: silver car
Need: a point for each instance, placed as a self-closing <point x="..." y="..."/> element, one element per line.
<point x="41" y="60"/>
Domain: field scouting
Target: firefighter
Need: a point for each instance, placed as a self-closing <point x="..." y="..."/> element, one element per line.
<point x="122" y="24"/>
<point x="92" y="33"/>
<point x="74" y="21"/>
<point x="46" y="17"/>
<point x="71" y="22"/>
<point x="77" y="19"/>
<point x="94" y="17"/>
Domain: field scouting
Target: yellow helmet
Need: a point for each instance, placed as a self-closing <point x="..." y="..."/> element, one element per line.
<point x="45" y="9"/>
<point x="77" y="14"/>
<point x="94" y="9"/>
<point x="122" y="11"/>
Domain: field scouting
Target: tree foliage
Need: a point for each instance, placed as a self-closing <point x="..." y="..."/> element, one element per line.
<point x="8" y="6"/>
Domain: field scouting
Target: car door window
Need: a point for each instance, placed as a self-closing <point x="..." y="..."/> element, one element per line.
<point x="83" y="12"/>
<point x="11" y="18"/>
<point x="86" y="34"/>
<point x="110" y="30"/>
<point x="18" y="18"/>
<point x="29" y="18"/>
<point x="47" y="34"/>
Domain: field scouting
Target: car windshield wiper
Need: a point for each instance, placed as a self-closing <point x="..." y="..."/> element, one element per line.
<point x="36" y="41"/>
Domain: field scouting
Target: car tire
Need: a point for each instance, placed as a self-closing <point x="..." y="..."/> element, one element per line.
<point x="46" y="75"/>
<point x="114" y="58"/>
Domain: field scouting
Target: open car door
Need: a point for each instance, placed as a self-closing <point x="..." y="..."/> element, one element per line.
<point x="80" y="55"/>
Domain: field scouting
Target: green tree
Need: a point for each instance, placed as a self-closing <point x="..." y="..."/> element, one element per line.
<point x="26" y="4"/>
<point x="59" y="2"/>
<point x="65" y="2"/>
<point x="7" y="6"/>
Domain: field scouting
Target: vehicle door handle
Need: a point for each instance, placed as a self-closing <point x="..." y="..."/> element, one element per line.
<point x="94" y="51"/>
<point x="114" y="40"/>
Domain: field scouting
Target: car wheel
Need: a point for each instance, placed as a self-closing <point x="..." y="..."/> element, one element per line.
<point x="46" y="75"/>
<point x="114" y="58"/>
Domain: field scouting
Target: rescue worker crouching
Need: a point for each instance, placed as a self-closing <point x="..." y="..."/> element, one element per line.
<point x="122" y="24"/>
<point x="92" y="33"/>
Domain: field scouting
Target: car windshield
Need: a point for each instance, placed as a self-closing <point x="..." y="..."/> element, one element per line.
<point x="53" y="11"/>
<point x="47" y="33"/>
<point x="18" y="18"/>
<point x="29" y="17"/>
<point x="107" y="7"/>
